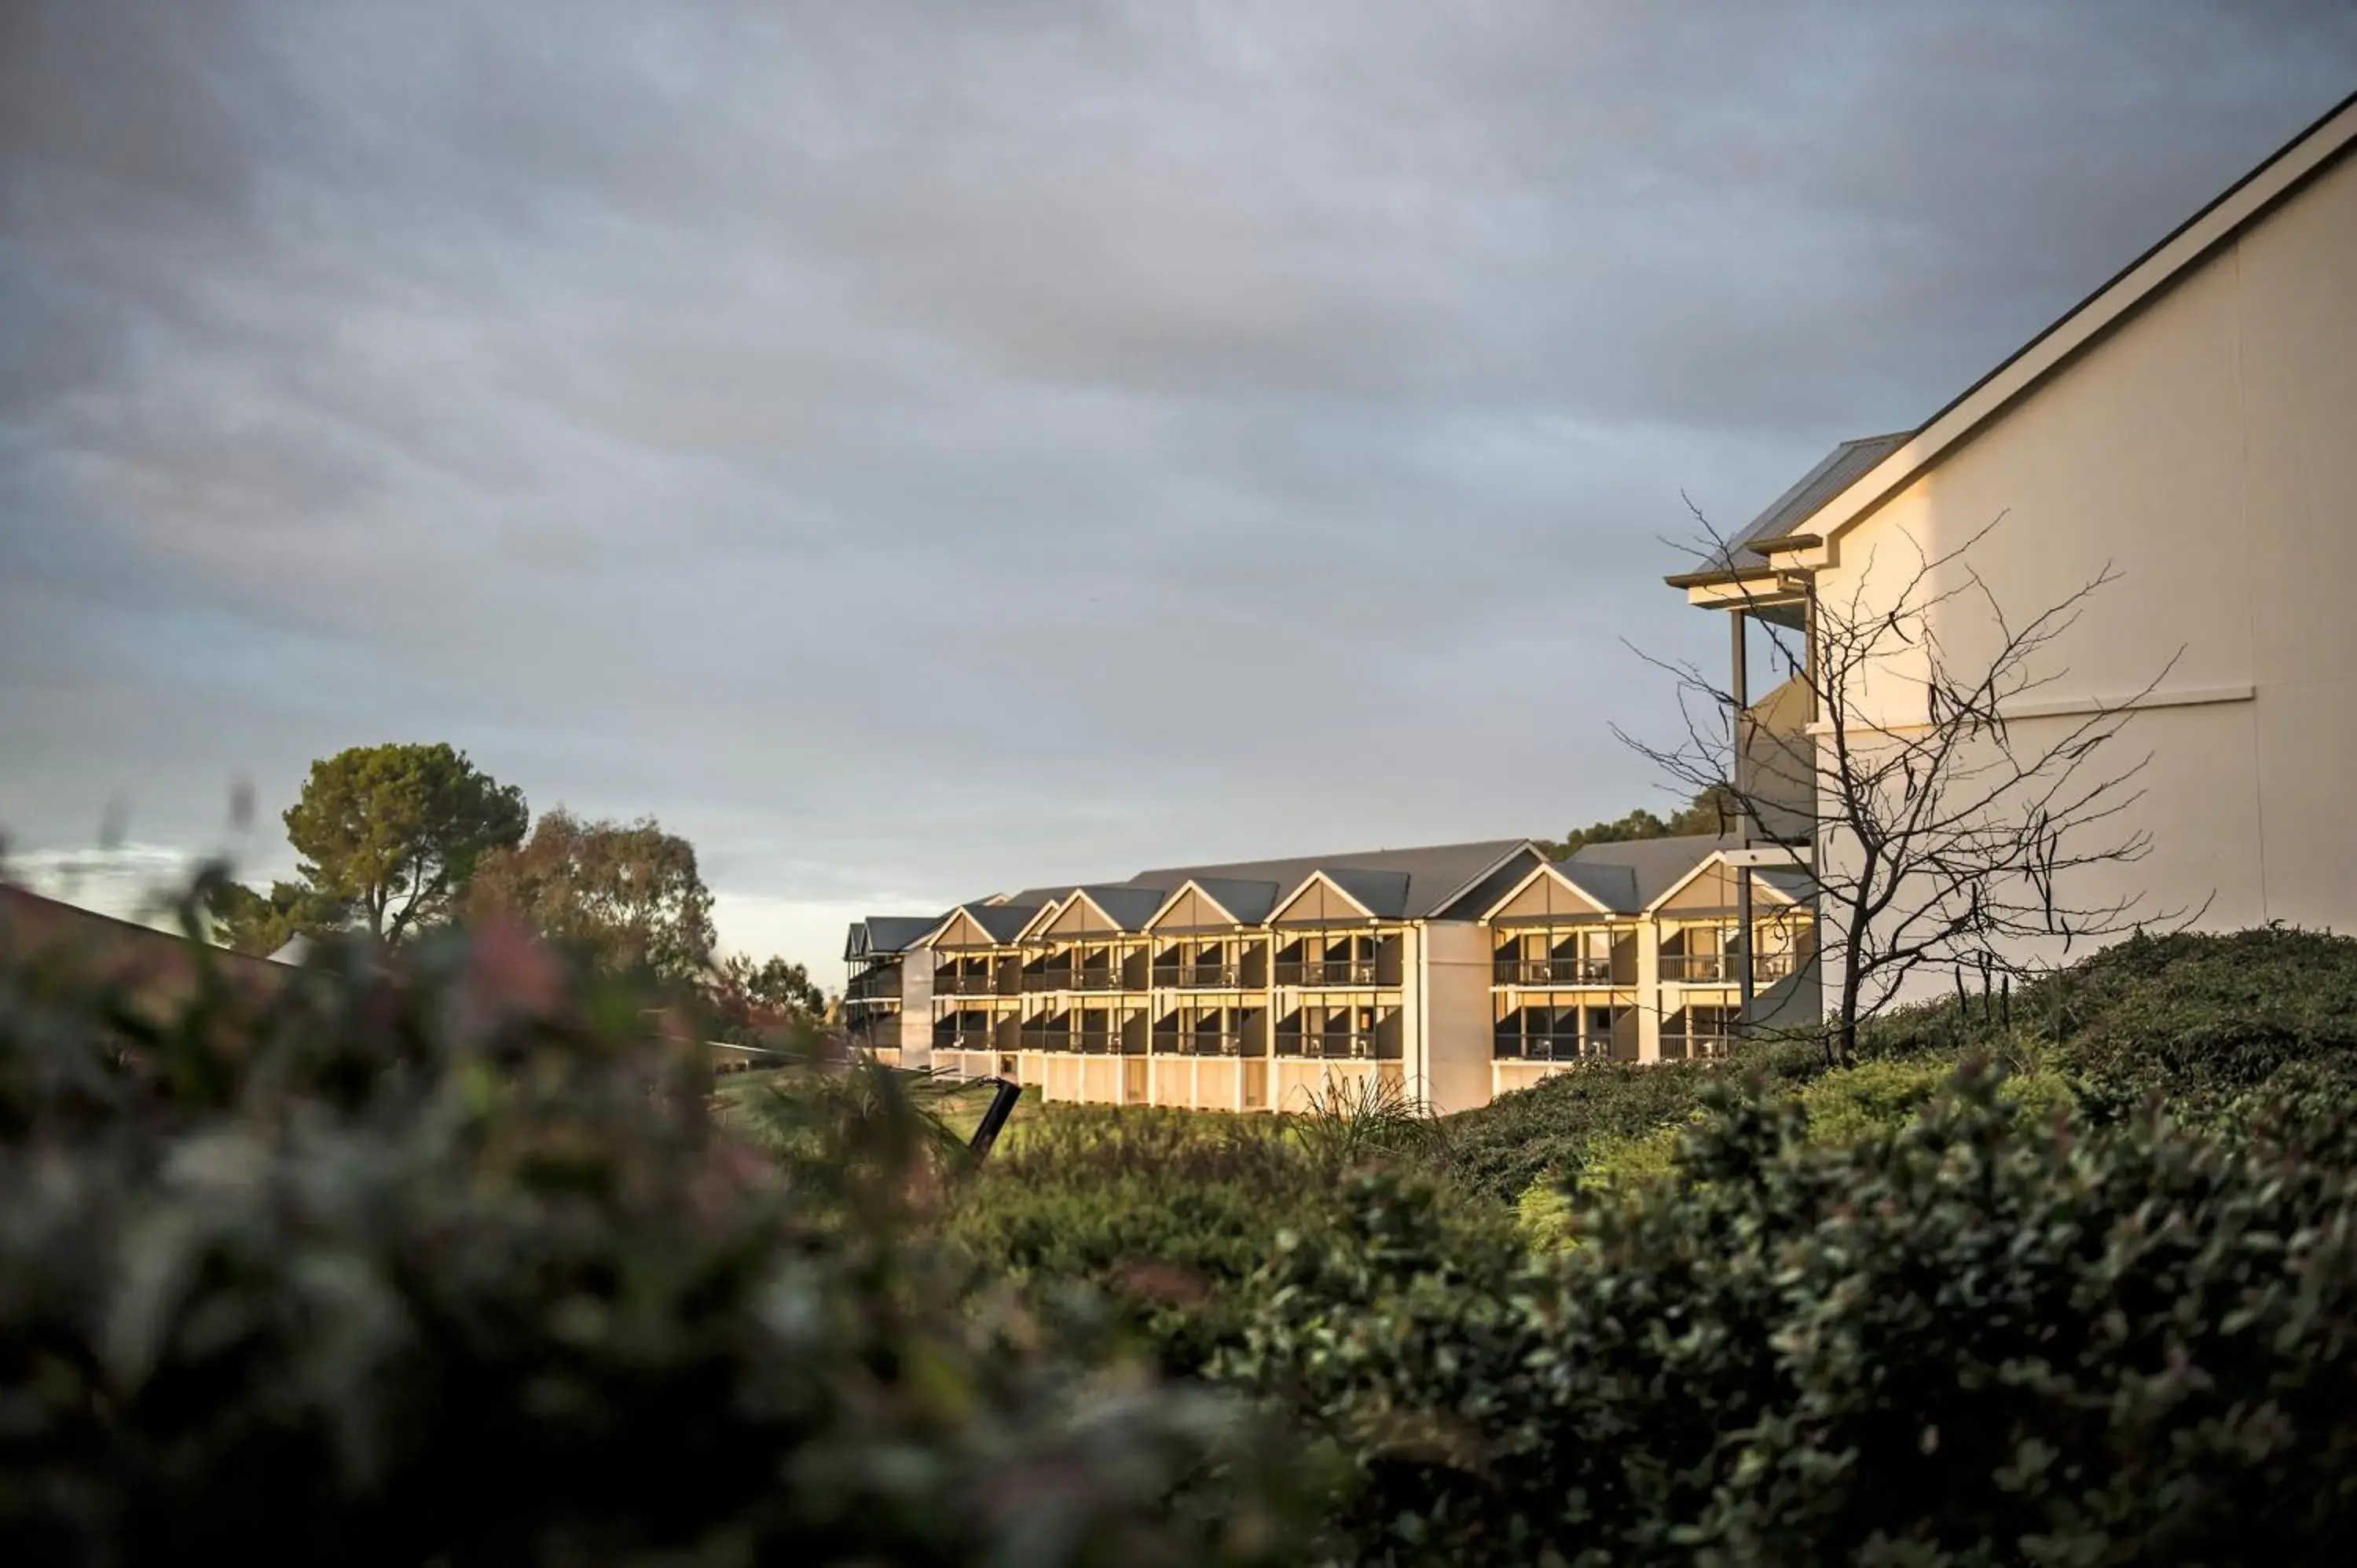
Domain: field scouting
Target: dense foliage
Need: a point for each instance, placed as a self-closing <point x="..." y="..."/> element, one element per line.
<point x="447" y="1262"/>
<point x="443" y="1255"/>
<point x="1973" y="1340"/>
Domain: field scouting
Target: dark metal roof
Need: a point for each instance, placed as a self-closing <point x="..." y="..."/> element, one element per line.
<point x="1434" y="874"/>
<point x="1248" y="901"/>
<point x="1614" y="887"/>
<point x="1002" y="920"/>
<point x="1397" y="884"/>
<point x="1654" y="865"/>
<point x="1126" y="904"/>
<point x="1835" y="472"/>
<point x="893" y="933"/>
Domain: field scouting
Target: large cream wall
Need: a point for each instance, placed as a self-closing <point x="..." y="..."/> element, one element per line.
<point x="1455" y="1026"/>
<point x="2206" y="450"/>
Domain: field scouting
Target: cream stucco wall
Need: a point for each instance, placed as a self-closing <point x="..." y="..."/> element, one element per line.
<point x="2206" y="451"/>
<point x="1456" y="1023"/>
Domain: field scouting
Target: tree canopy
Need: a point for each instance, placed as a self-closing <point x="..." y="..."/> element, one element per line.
<point x="393" y="833"/>
<point x="250" y="922"/>
<point x="1712" y="810"/>
<point x="626" y="894"/>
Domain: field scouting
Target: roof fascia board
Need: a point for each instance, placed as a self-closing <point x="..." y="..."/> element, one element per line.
<point x="1471" y="883"/>
<point x="1190" y="884"/>
<point x="2251" y="198"/>
<point x="1545" y="868"/>
<point x="1291" y="900"/>
<point x="1715" y="857"/>
<point x="1048" y="912"/>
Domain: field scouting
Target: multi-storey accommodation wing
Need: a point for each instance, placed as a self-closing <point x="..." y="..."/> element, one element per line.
<point x="2191" y="428"/>
<point x="1445" y="973"/>
<point x="1639" y="952"/>
<point x="888" y="999"/>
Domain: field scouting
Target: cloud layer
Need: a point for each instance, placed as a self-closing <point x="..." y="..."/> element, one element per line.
<point x="919" y="450"/>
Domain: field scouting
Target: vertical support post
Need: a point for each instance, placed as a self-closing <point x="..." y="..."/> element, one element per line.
<point x="1739" y="689"/>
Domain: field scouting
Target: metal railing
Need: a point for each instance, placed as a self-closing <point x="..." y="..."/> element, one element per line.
<point x="1082" y="1042"/>
<point x="1770" y="966"/>
<point x="1701" y="968"/>
<point x="1551" y="1048"/>
<point x="1073" y="979"/>
<point x="962" y="1040"/>
<point x="1353" y="1048"/>
<point x="1198" y="976"/>
<point x="1554" y="971"/>
<point x="1194" y="1043"/>
<point x="1326" y="972"/>
<point x="1692" y="1045"/>
<point x="946" y="983"/>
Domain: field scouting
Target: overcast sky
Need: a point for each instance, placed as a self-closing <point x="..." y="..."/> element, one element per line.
<point x="915" y="450"/>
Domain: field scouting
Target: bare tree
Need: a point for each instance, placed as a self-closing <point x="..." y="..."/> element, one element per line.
<point x="1947" y="838"/>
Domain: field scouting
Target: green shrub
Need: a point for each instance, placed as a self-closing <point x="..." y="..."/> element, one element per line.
<point x="450" y="1262"/>
<point x="1167" y="1212"/>
<point x="1976" y="1339"/>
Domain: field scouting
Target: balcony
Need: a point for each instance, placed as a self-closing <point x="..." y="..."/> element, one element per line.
<point x="962" y="1040"/>
<point x="1335" y="1045"/>
<point x="1696" y="969"/>
<point x="1086" y="1042"/>
<point x="949" y="985"/>
<point x="1554" y="971"/>
<point x="1195" y="1043"/>
<point x="1325" y="971"/>
<point x="1553" y="1048"/>
<point x="1073" y="979"/>
<point x="1770" y="967"/>
<point x="1692" y="1045"/>
<point x="1199" y="976"/>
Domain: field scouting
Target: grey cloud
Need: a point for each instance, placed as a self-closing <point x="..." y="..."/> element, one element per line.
<point x="818" y="425"/>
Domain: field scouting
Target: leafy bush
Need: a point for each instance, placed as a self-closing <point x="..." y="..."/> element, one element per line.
<point x="453" y="1264"/>
<point x="1973" y="1340"/>
<point x="1171" y="1213"/>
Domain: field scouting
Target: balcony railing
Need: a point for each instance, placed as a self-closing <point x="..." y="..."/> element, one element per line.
<point x="1085" y="1042"/>
<point x="1325" y="971"/>
<point x="963" y="1040"/>
<point x="1692" y="1045"/>
<point x="1553" y="1048"/>
<point x="1198" y="976"/>
<point x="1193" y="1043"/>
<point x="1773" y="966"/>
<point x="1697" y="968"/>
<point x="1554" y="971"/>
<point x="1073" y="979"/>
<point x="949" y="985"/>
<point x="1355" y="1048"/>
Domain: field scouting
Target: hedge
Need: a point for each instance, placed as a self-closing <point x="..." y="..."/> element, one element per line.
<point x="444" y="1259"/>
<point x="1974" y="1340"/>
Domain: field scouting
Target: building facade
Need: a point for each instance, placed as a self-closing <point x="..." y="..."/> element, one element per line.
<point x="1446" y="974"/>
<point x="2187" y="432"/>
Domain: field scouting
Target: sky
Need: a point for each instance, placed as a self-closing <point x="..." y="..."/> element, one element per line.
<point x="919" y="451"/>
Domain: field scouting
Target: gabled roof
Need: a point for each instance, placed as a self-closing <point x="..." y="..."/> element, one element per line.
<point x="1640" y="872"/>
<point x="1554" y="871"/>
<point x="1244" y="902"/>
<point x="1435" y="874"/>
<point x="998" y="922"/>
<point x="1322" y="881"/>
<point x="1125" y="907"/>
<point x="2250" y="199"/>
<point x="1788" y="884"/>
<point x="887" y="934"/>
